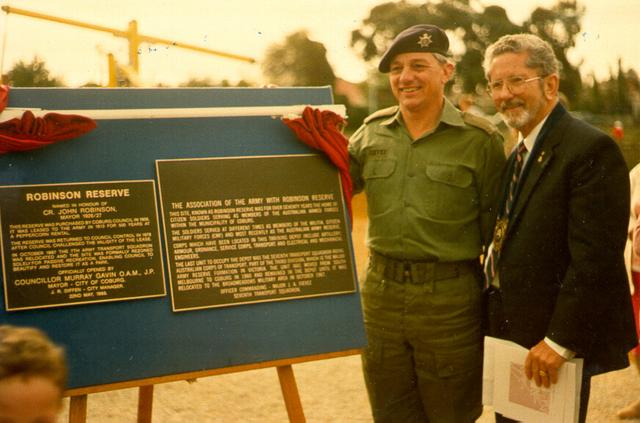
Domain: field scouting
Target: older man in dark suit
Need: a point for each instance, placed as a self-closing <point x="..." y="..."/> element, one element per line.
<point x="555" y="268"/>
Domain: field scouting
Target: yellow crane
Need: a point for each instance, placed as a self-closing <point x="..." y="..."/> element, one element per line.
<point x="133" y="37"/>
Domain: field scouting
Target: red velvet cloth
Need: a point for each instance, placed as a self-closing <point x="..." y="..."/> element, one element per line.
<point x="320" y="129"/>
<point x="30" y="132"/>
<point x="4" y="97"/>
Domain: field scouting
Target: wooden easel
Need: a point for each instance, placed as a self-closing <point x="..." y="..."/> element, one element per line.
<point x="78" y="396"/>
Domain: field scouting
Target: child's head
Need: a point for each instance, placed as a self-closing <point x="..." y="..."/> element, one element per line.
<point x="33" y="375"/>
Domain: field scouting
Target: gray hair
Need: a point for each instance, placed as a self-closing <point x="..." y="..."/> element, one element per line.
<point x="541" y="56"/>
<point x="442" y="59"/>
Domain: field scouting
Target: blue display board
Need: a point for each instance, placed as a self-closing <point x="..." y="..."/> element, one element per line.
<point x="131" y="340"/>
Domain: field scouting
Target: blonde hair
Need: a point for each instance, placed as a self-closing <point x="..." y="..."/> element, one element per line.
<point x="28" y="352"/>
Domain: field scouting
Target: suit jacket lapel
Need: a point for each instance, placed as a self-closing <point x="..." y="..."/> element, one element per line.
<point x="541" y="156"/>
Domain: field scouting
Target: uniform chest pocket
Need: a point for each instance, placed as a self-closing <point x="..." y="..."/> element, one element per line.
<point x="456" y="176"/>
<point x="374" y="169"/>
<point x="380" y="185"/>
<point x="450" y="192"/>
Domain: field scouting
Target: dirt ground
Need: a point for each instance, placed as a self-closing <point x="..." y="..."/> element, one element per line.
<point x="330" y="390"/>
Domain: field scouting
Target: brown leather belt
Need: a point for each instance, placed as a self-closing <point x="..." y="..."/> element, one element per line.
<point x="418" y="272"/>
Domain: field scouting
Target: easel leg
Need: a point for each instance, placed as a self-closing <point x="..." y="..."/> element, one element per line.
<point x="145" y="403"/>
<point x="78" y="409"/>
<point x="290" y="394"/>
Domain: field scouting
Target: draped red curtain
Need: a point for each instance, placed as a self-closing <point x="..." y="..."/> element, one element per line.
<point x="30" y="132"/>
<point x="321" y="130"/>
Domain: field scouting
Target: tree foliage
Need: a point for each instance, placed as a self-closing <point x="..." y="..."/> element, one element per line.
<point x="298" y="61"/>
<point x="208" y="82"/>
<point x="34" y="74"/>
<point x="619" y="95"/>
<point x="622" y="88"/>
<point x="471" y="31"/>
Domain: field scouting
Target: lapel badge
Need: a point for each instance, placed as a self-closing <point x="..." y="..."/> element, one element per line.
<point x="424" y="40"/>
<point x="499" y="233"/>
<point x="541" y="157"/>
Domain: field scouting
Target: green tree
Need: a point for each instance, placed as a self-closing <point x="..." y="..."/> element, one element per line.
<point x="198" y="82"/>
<point x="34" y="74"/>
<point x="208" y="82"/>
<point x="241" y="83"/>
<point x="595" y="103"/>
<point x="623" y="101"/>
<point x="298" y="61"/>
<point x="471" y="30"/>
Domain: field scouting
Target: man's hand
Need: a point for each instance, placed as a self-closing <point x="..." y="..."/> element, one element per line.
<point x="542" y="364"/>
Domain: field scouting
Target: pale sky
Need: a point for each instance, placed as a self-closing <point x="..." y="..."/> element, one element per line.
<point x="248" y="28"/>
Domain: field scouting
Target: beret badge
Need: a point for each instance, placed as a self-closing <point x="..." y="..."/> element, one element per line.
<point x="421" y="38"/>
<point x="424" y="40"/>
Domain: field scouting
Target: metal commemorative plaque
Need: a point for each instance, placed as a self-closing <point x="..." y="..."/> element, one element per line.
<point x="79" y="243"/>
<point x="253" y="229"/>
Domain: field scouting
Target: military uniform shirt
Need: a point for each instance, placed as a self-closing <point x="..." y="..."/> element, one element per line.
<point x="430" y="198"/>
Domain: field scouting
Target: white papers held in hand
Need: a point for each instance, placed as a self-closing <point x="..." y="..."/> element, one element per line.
<point x="506" y="388"/>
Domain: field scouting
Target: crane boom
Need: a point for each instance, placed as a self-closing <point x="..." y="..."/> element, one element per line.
<point x="131" y="34"/>
<point x="116" y="32"/>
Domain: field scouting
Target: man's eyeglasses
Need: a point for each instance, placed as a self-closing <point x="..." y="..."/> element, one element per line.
<point x="514" y="84"/>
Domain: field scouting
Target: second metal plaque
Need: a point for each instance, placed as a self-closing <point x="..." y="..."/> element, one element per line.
<point x="253" y="229"/>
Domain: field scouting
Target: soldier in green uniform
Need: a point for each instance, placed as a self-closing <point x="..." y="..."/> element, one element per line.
<point x="430" y="173"/>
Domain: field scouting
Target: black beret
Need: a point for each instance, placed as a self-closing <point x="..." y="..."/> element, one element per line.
<point x="416" y="39"/>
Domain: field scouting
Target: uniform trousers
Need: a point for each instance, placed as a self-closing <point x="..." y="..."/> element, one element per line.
<point x="423" y="362"/>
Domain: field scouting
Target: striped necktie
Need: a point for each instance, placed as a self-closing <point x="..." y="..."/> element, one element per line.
<point x="521" y="149"/>
<point x="491" y="261"/>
